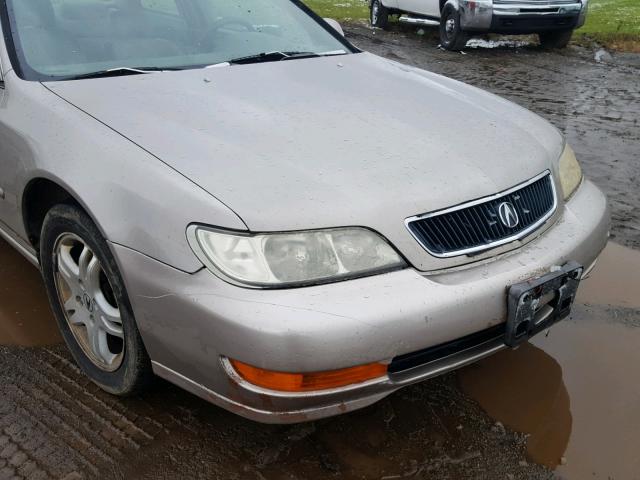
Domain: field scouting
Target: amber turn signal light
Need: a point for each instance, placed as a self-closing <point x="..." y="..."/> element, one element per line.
<point x="305" y="382"/>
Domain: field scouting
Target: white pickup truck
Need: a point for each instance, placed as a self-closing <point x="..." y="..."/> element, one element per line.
<point x="553" y="20"/>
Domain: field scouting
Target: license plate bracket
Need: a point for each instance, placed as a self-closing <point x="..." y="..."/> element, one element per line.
<point x="528" y="315"/>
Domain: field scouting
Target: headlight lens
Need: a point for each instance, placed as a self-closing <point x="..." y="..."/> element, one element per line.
<point x="570" y="172"/>
<point x="296" y="258"/>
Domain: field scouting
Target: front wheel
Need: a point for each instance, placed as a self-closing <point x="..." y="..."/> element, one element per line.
<point x="452" y="37"/>
<point x="379" y="14"/>
<point x="90" y="302"/>
<point x="555" y="39"/>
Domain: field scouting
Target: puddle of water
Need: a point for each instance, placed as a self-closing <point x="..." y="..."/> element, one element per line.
<point x="600" y="370"/>
<point x="25" y="316"/>
<point x="615" y="280"/>
<point x="576" y="391"/>
<point x="525" y="391"/>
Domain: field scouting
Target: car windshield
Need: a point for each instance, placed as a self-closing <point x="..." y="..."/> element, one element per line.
<point x="62" y="39"/>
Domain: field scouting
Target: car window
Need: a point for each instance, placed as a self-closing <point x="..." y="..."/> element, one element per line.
<point x="58" y="39"/>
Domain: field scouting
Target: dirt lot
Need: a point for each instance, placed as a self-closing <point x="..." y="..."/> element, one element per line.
<point x="566" y="406"/>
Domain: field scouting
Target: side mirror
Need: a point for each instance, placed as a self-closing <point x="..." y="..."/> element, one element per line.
<point x="335" y="25"/>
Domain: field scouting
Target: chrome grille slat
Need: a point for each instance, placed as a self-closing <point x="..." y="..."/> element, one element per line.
<point x="476" y="226"/>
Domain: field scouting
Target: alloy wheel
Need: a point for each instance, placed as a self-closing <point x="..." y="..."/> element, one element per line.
<point x="88" y="302"/>
<point x="450" y="26"/>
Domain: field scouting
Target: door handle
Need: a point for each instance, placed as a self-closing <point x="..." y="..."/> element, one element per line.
<point x="1" y="193"/>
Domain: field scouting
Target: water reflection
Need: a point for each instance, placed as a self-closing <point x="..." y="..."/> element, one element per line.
<point x="615" y="280"/>
<point x="524" y="389"/>
<point x="600" y="357"/>
<point x="576" y="391"/>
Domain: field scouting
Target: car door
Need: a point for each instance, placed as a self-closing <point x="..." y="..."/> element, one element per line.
<point x="5" y="176"/>
<point x="430" y="8"/>
<point x="10" y="218"/>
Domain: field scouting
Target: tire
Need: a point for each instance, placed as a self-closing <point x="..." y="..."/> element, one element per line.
<point x="378" y="14"/>
<point x="452" y="37"/>
<point x="90" y="303"/>
<point x="555" y="39"/>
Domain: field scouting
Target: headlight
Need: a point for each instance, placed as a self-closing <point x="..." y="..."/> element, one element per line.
<point x="295" y="258"/>
<point x="570" y="172"/>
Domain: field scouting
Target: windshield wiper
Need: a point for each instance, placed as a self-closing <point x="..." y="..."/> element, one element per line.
<point x="275" y="56"/>
<point x="272" y="57"/>
<point x="119" y="72"/>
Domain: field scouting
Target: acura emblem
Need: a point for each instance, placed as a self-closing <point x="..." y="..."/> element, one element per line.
<point x="87" y="302"/>
<point x="508" y="215"/>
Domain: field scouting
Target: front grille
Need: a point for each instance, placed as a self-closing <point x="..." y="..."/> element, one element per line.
<point x="480" y="225"/>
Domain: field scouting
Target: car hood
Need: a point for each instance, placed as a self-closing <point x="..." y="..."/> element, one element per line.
<point x="325" y="142"/>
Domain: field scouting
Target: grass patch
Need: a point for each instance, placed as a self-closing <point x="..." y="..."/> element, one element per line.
<point x="341" y="10"/>
<point x="613" y="17"/>
<point x="612" y="23"/>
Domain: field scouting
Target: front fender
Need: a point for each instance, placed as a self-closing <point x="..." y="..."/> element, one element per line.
<point x="135" y="199"/>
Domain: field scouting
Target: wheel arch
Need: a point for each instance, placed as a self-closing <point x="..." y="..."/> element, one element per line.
<point x="454" y="3"/>
<point x="40" y="194"/>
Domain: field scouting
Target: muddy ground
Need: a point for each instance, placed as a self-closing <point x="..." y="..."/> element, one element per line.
<point x="565" y="406"/>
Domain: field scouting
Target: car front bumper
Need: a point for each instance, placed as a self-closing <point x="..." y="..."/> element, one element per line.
<point x="191" y="322"/>
<point x="520" y="18"/>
